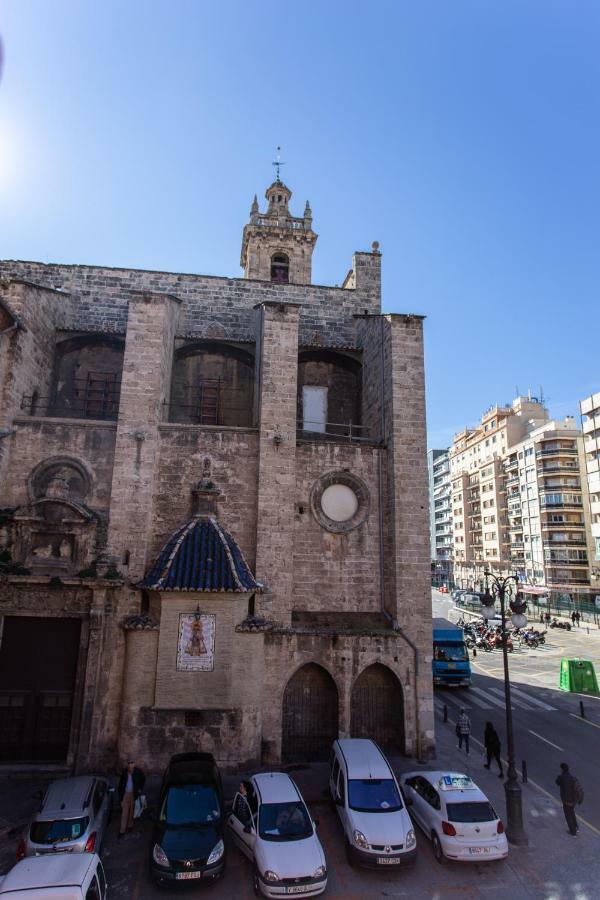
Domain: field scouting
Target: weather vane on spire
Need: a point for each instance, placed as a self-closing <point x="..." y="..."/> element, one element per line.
<point x="278" y="163"/>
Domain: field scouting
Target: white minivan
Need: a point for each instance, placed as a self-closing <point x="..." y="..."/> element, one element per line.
<point x="55" y="876"/>
<point x="377" y="828"/>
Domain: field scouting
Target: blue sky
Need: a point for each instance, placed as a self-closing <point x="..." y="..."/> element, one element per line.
<point x="464" y="136"/>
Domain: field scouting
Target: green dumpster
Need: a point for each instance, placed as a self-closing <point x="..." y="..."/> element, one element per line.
<point x="578" y="675"/>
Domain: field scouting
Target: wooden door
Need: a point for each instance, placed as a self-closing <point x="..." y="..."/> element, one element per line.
<point x="377" y="708"/>
<point x="310" y="714"/>
<point x="38" y="664"/>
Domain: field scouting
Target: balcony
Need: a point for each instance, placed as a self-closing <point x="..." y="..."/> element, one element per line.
<point x="516" y="545"/>
<point x="564" y="542"/>
<point x="95" y="397"/>
<point x="566" y="465"/>
<point x="511" y="482"/>
<point x="563" y="525"/>
<point x="556" y="450"/>
<point x="511" y="465"/>
<point x="346" y="431"/>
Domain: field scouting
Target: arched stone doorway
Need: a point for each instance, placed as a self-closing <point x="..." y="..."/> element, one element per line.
<point x="309" y="714"/>
<point x="377" y="708"/>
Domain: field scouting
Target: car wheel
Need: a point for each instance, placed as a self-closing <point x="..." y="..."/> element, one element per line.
<point x="256" y="882"/>
<point x="437" y="848"/>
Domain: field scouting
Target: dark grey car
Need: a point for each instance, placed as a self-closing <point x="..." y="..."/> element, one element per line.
<point x="72" y="818"/>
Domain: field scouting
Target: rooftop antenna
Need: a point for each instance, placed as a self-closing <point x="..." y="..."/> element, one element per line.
<point x="278" y="164"/>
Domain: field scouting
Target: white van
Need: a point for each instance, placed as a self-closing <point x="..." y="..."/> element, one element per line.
<point x="55" y="876"/>
<point x="377" y="828"/>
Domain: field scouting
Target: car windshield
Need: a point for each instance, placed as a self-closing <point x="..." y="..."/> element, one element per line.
<point x="450" y="652"/>
<point x="58" y="831"/>
<point x="471" y="812"/>
<point x="284" y="821"/>
<point x="190" y="804"/>
<point x="373" y="795"/>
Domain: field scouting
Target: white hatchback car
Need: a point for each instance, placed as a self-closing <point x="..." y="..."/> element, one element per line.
<point x="457" y="817"/>
<point x="271" y="826"/>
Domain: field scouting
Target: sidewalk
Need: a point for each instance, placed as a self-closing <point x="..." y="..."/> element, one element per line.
<point x="554" y="866"/>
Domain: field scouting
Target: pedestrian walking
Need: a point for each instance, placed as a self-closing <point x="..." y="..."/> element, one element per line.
<point x="571" y="793"/>
<point x="573" y="618"/>
<point x="131" y="785"/>
<point x="463" y="730"/>
<point x="577" y="617"/>
<point x="491" y="742"/>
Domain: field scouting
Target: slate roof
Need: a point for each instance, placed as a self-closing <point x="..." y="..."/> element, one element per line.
<point x="201" y="556"/>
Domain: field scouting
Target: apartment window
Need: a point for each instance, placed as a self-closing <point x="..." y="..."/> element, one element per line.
<point x="489" y="536"/>
<point x="529" y="451"/>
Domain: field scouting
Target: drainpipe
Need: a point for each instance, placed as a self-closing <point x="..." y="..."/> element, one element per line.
<point x="394" y="622"/>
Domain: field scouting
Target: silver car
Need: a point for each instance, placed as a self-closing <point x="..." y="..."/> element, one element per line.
<point x="72" y="818"/>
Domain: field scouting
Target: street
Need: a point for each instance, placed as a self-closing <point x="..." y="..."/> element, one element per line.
<point x="548" y="725"/>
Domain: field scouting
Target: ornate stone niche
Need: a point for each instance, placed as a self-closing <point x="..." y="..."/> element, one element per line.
<point x="54" y="534"/>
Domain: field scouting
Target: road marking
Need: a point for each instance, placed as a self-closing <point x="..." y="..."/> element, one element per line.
<point x="539" y="787"/>
<point x="487" y="697"/>
<point x="531" y="699"/>
<point x="526" y="703"/>
<point x="587" y="721"/>
<point x="546" y="741"/>
<point x="515" y="701"/>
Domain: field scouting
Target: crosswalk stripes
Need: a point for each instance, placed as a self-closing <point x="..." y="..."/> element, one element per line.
<point x="490" y="698"/>
<point x="530" y="699"/>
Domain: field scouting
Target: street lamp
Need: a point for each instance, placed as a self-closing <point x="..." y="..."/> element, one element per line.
<point x="501" y="588"/>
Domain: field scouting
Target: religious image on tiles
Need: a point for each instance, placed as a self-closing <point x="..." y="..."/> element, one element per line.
<point x="196" y="645"/>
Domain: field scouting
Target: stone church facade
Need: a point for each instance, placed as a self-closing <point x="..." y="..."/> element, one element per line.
<point x="213" y="510"/>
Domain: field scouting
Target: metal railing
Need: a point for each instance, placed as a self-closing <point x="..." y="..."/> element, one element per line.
<point x="348" y="430"/>
<point x="83" y="399"/>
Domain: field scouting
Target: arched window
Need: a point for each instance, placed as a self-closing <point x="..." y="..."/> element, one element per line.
<point x="280" y="268"/>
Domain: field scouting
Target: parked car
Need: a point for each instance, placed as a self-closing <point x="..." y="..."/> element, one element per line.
<point x="188" y="838"/>
<point x="72" y="818"/>
<point x="455" y="815"/>
<point x="272" y="827"/>
<point x="56" y="876"/>
<point x="377" y="828"/>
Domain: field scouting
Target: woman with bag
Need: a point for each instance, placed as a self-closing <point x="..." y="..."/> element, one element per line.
<point x="491" y="742"/>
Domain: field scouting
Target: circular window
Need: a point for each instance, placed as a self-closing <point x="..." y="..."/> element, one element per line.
<point x="339" y="501"/>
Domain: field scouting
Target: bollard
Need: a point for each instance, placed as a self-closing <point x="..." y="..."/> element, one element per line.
<point x="524" y="771"/>
<point x="581" y="709"/>
<point x="445" y="713"/>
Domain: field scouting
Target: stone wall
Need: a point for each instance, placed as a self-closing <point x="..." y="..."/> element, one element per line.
<point x="335" y="571"/>
<point x="344" y="657"/>
<point x="101" y="294"/>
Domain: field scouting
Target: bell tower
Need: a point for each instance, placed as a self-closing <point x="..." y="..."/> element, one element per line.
<point x="277" y="246"/>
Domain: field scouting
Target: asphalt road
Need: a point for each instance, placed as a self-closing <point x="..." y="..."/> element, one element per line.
<point x="548" y="727"/>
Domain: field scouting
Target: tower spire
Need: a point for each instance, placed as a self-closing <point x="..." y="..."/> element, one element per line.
<point x="277" y="164"/>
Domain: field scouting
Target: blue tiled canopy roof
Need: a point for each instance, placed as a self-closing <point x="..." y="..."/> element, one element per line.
<point x="201" y="556"/>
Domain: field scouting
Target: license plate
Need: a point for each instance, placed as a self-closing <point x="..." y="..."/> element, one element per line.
<point x="451" y="665"/>
<point x="388" y="860"/>
<point x="479" y="849"/>
<point x="185" y="876"/>
<point x="298" y="890"/>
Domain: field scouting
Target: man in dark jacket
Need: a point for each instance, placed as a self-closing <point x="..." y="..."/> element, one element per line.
<point x="568" y="796"/>
<point x="131" y="785"/>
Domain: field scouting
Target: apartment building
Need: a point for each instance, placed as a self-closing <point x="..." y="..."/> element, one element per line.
<point x="440" y="516"/>
<point x="590" y="424"/>
<point x="478" y="489"/>
<point x="547" y="508"/>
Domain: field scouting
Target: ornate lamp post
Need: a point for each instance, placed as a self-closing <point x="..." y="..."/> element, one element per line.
<point x="501" y="590"/>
